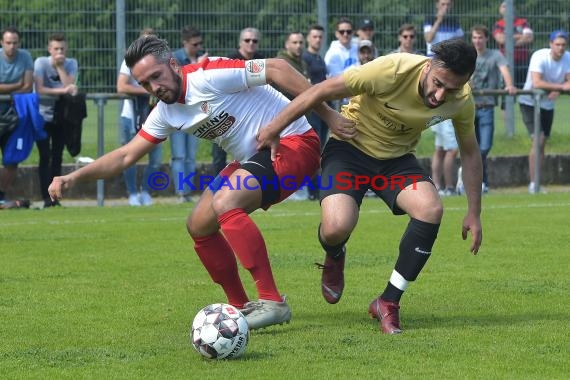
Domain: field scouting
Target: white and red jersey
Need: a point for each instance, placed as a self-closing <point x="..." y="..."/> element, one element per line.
<point x="227" y="101"/>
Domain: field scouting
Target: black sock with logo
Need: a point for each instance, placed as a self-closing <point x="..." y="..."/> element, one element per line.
<point x="415" y="248"/>
<point x="334" y="251"/>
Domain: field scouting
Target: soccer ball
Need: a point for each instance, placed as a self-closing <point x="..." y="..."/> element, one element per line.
<point x="220" y="331"/>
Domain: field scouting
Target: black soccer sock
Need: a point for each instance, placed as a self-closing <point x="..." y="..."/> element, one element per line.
<point x="2" y="195"/>
<point x="334" y="251"/>
<point x="415" y="250"/>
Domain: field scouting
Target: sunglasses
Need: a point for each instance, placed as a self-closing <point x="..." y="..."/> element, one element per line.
<point x="406" y="36"/>
<point x="252" y="40"/>
<point x="347" y="31"/>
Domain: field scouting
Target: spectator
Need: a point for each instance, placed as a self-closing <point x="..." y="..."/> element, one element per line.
<point x="365" y="51"/>
<point x="294" y="44"/>
<point x="248" y="49"/>
<point x="438" y="28"/>
<point x="317" y="73"/>
<point x="549" y="70"/>
<point x="342" y="53"/>
<point x="16" y="76"/>
<point x="54" y="75"/>
<point x="491" y="67"/>
<point x="523" y="36"/>
<point x="366" y="32"/>
<point x="406" y="39"/>
<point x="133" y="114"/>
<point x="184" y="146"/>
<point x="443" y="26"/>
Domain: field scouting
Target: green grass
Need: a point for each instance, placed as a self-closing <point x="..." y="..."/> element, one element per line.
<point x="111" y="292"/>
<point x="519" y="144"/>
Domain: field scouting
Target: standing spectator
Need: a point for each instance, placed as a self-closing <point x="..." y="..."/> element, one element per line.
<point x="133" y="115"/>
<point x="443" y="26"/>
<point x="365" y="51"/>
<point x="342" y="53"/>
<point x="549" y="70"/>
<point x="438" y="28"/>
<point x="317" y="73"/>
<point x="294" y="44"/>
<point x="16" y="76"/>
<point x="184" y="146"/>
<point x="366" y="32"/>
<point x="491" y="66"/>
<point x="523" y="36"/>
<point x="248" y="49"/>
<point x="406" y="39"/>
<point x="53" y="75"/>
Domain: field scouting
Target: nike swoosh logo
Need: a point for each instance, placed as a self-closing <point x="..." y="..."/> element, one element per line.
<point x="390" y="107"/>
<point x="180" y="128"/>
<point x="418" y="250"/>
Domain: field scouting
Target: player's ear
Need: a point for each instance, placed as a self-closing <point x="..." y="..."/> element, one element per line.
<point x="174" y="64"/>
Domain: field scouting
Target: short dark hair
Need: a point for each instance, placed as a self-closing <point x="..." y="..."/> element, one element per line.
<point x="315" y="27"/>
<point x="405" y="27"/>
<point x="480" y="29"/>
<point x="344" y="20"/>
<point x="456" y="55"/>
<point x="145" y="45"/>
<point x="189" y="32"/>
<point x="58" y="36"/>
<point x="11" y="29"/>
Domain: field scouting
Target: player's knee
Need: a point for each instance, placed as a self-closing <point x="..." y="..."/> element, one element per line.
<point x="334" y="233"/>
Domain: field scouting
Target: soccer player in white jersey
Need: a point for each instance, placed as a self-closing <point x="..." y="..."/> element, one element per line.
<point x="226" y="101"/>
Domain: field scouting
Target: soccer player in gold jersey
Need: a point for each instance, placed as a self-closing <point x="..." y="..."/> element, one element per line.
<point x="393" y="100"/>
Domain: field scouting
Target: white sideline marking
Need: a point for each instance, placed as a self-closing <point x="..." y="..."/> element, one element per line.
<point x="282" y="213"/>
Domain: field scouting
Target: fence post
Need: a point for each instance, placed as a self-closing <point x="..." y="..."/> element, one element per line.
<point x="537" y="131"/>
<point x="100" y="101"/>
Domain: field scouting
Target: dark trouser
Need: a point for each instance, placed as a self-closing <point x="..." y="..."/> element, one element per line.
<point x="219" y="158"/>
<point x="51" y="153"/>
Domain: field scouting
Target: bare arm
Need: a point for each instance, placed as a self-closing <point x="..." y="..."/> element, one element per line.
<point x="429" y="36"/>
<point x="539" y="82"/>
<point x="107" y="166"/>
<point x="25" y="84"/>
<point x="509" y="86"/>
<point x="124" y="87"/>
<point x="472" y="179"/>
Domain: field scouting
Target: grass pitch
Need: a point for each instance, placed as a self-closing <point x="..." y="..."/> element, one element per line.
<point x="111" y="292"/>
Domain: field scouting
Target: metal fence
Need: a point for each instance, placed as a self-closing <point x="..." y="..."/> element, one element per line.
<point x="99" y="31"/>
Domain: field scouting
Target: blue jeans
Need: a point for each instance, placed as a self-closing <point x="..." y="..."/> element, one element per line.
<point x="127" y="133"/>
<point x="484" y="130"/>
<point x="183" y="148"/>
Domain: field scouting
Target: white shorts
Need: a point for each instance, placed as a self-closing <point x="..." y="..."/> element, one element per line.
<point x="445" y="135"/>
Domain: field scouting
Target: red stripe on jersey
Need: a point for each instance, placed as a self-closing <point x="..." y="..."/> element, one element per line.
<point x="145" y="135"/>
<point x="207" y="64"/>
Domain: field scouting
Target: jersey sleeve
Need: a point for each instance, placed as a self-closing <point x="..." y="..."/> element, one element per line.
<point x="155" y="128"/>
<point x="233" y="75"/>
<point x="464" y="121"/>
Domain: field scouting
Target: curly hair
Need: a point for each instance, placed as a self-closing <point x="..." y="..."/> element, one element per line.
<point x="456" y="55"/>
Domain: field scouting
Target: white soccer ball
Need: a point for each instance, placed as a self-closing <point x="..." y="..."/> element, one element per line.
<point x="220" y="331"/>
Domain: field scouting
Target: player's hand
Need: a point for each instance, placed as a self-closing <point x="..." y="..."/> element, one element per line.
<point x="473" y="224"/>
<point x="266" y="139"/>
<point x="58" y="186"/>
<point x="341" y="126"/>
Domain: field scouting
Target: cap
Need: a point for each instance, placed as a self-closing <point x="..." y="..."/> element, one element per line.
<point x="558" y="33"/>
<point x="364" y="43"/>
<point x="366" y="24"/>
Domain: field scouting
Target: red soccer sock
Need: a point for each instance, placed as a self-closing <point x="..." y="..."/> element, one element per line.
<point x="248" y="245"/>
<point x="218" y="259"/>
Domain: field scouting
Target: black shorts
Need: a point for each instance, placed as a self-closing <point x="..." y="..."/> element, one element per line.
<point x="546" y="119"/>
<point x="347" y="170"/>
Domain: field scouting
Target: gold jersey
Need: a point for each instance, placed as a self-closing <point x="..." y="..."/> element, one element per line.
<point x="389" y="112"/>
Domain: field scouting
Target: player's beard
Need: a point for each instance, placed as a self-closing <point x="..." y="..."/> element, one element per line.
<point x="170" y="96"/>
